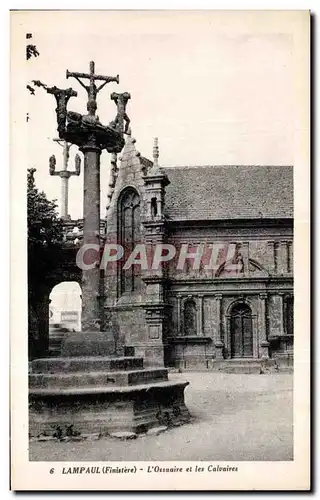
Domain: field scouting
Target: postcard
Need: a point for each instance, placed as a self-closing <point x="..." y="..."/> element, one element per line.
<point x="160" y="236"/>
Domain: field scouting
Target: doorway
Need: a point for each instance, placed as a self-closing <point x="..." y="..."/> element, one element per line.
<point x="241" y="332"/>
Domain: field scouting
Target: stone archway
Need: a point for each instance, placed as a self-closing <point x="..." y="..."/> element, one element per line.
<point x="64" y="313"/>
<point x="241" y="331"/>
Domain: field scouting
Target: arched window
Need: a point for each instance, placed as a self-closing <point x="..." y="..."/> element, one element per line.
<point x="190" y="318"/>
<point x="129" y="236"/>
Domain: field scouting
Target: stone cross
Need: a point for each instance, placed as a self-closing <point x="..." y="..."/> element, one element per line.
<point x="92" y="293"/>
<point x="64" y="174"/>
<point x="92" y="89"/>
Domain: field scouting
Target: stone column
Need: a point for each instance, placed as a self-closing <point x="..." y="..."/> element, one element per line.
<point x="245" y="255"/>
<point x="276" y="249"/>
<point x="276" y="315"/>
<point x="283" y="257"/>
<point x="290" y="256"/>
<point x="200" y="323"/>
<point x="42" y="312"/>
<point x="270" y="256"/>
<point x="219" y="344"/>
<point x="281" y="295"/>
<point x="91" y="236"/>
<point x="178" y="314"/>
<point x="263" y="337"/>
<point x="64" y="194"/>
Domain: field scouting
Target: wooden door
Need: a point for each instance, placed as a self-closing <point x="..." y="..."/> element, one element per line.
<point x="241" y="332"/>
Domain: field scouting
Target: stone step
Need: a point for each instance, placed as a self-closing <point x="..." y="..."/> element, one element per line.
<point x="148" y="388"/>
<point x="93" y="379"/>
<point x="85" y="364"/>
<point x="245" y="366"/>
<point x="105" y="410"/>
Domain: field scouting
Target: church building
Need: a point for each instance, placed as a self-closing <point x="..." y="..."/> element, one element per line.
<point x="201" y="316"/>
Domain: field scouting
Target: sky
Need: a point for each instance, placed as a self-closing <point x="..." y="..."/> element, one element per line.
<point x="214" y="87"/>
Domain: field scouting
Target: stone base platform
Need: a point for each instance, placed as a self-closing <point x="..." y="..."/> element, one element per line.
<point x="70" y="396"/>
<point x="238" y="365"/>
<point x="246" y="366"/>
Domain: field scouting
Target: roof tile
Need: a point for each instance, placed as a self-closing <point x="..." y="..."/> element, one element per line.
<point x="229" y="192"/>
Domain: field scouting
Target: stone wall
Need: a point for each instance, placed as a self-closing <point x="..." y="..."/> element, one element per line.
<point x="266" y="277"/>
<point x="124" y="312"/>
<point x="151" y="320"/>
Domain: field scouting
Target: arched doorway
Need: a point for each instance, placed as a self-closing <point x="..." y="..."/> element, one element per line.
<point x="241" y="331"/>
<point x="64" y="313"/>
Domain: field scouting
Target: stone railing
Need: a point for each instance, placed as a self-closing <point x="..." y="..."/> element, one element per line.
<point x="73" y="231"/>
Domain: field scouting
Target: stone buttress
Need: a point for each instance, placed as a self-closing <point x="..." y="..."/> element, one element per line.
<point x="135" y="302"/>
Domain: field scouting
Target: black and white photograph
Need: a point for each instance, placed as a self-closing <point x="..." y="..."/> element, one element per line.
<point x="161" y="189"/>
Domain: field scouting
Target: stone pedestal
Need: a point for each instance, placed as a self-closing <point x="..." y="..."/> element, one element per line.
<point x="264" y="349"/>
<point x="88" y="344"/>
<point x="83" y="395"/>
<point x="219" y="345"/>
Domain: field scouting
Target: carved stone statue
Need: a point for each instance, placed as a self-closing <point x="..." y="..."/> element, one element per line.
<point x="77" y="161"/>
<point x="74" y="118"/>
<point x="121" y="101"/>
<point x="52" y="164"/>
<point x="62" y="97"/>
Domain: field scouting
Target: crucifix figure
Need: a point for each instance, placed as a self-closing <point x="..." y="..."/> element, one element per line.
<point x="121" y="101"/>
<point x="92" y="89"/>
<point x="64" y="174"/>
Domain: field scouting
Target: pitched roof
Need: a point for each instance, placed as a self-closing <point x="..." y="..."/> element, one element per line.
<point x="229" y="192"/>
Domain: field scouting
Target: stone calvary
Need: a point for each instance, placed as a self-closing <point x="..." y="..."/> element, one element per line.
<point x="98" y="384"/>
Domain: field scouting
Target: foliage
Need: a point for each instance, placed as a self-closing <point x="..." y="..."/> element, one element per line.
<point x="31" y="51"/>
<point x="45" y="233"/>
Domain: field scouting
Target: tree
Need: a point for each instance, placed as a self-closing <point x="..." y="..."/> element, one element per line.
<point x="31" y="51"/>
<point x="44" y="225"/>
<point x="45" y="236"/>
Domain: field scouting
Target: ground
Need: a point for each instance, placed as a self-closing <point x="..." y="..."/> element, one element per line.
<point x="235" y="417"/>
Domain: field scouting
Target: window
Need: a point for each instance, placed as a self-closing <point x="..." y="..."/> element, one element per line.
<point x="190" y="318"/>
<point x="288" y="315"/>
<point x="154" y="207"/>
<point x="129" y="236"/>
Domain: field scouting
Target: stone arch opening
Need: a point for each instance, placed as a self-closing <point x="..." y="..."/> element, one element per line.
<point x="65" y="302"/>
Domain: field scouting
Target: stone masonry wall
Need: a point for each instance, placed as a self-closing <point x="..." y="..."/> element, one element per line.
<point x="125" y="312"/>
